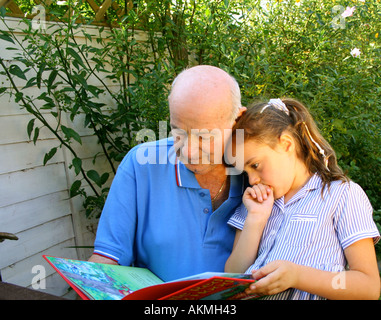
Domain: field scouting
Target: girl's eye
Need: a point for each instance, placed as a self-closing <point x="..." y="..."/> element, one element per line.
<point x="255" y="165"/>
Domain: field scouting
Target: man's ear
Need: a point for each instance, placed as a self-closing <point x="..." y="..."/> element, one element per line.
<point x="241" y="111"/>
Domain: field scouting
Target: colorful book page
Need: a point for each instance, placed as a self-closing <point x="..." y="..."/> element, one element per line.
<point x="208" y="275"/>
<point x="103" y="281"/>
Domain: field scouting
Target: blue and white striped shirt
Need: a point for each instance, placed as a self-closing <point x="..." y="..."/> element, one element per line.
<point x="313" y="231"/>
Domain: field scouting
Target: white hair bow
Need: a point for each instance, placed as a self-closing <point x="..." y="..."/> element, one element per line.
<point x="278" y="104"/>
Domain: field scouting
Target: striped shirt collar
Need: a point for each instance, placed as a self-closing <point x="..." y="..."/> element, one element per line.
<point x="313" y="183"/>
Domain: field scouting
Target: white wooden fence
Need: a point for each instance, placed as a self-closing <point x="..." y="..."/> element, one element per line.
<point x="34" y="201"/>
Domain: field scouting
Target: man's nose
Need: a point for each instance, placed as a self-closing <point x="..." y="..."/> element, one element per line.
<point x="191" y="147"/>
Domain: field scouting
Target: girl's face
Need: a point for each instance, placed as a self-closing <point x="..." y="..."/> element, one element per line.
<point x="274" y="167"/>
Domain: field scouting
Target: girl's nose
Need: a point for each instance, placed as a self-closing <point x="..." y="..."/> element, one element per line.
<point x="253" y="179"/>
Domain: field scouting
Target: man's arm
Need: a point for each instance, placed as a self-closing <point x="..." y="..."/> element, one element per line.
<point x="114" y="242"/>
<point x="100" y="259"/>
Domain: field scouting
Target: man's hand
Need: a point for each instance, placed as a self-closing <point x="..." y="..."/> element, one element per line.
<point x="100" y="259"/>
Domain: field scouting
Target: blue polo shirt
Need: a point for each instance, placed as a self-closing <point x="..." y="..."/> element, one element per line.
<point x="157" y="216"/>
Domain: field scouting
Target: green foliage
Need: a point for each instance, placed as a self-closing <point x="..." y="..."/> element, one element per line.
<point x="74" y="79"/>
<point x="279" y="48"/>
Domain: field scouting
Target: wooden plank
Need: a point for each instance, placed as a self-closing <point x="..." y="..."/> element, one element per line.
<point x="52" y="27"/>
<point x="89" y="147"/>
<point x="11" y="5"/>
<point x="93" y="5"/>
<point x="32" y="183"/>
<point x="20" y="272"/>
<point x="13" y="129"/>
<point x="119" y="10"/>
<point x="45" y="2"/>
<point x="9" y="291"/>
<point x="9" y="107"/>
<point x="102" y="10"/>
<point x="35" y="240"/>
<point x="5" y="3"/>
<point x="26" y="155"/>
<point x="25" y="215"/>
<point x="22" y="156"/>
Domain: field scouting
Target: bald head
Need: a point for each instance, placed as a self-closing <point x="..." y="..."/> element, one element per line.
<point x="203" y="103"/>
<point x="206" y="87"/>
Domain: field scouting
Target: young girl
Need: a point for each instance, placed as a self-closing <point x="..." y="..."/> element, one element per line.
<point x="304" y="231"/>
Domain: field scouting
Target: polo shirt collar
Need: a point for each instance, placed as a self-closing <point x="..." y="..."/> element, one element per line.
<point x="186" y="179"/>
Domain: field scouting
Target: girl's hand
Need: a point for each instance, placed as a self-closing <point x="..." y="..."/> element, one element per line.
<point x="275" y="277"/>
<point x="259" y="199"/>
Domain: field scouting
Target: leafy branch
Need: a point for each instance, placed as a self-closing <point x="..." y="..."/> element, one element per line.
<point x="68" y="132"/>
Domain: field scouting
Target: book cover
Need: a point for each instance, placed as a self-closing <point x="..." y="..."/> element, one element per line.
<point x="97" y="281"/>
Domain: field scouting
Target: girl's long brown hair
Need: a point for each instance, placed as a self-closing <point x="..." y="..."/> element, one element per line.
<point x="268" y="126"/>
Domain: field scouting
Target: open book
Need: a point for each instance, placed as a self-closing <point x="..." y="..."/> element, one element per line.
<point x="97" y="281"/>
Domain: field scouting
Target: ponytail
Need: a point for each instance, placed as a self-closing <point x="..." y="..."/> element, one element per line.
<point x="265" y="122"/>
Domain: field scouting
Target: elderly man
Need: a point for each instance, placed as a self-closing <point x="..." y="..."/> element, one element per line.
<point x="169" y="212"/>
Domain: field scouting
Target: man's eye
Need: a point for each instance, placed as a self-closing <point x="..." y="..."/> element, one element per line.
<point x="178" y="133"/>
